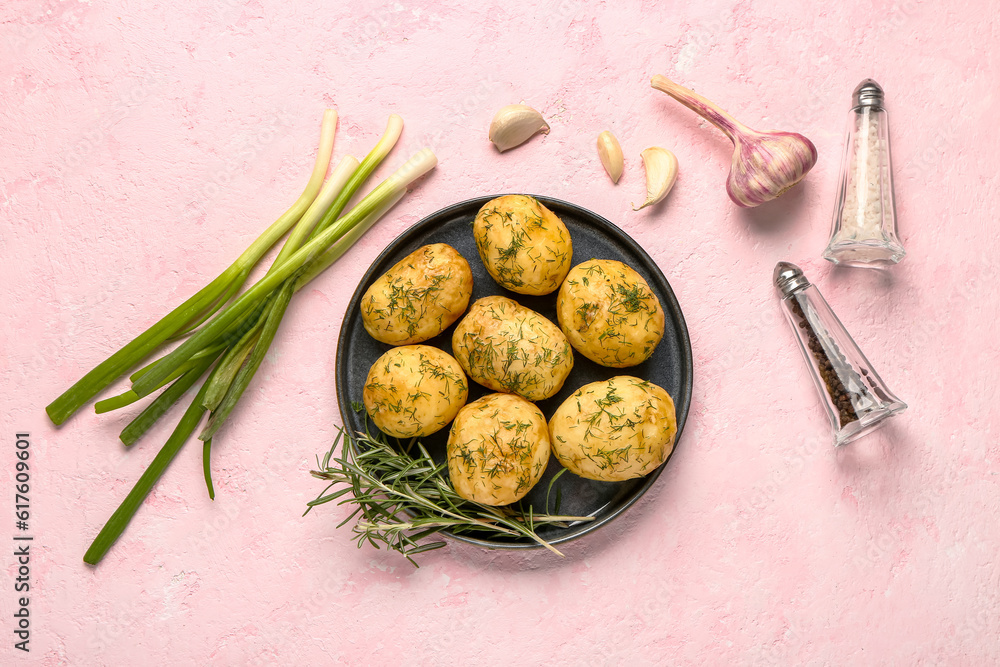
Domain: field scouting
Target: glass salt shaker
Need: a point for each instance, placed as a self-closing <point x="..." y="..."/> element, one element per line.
<point x="855" y="397"/>
<point x="864" y="222"/>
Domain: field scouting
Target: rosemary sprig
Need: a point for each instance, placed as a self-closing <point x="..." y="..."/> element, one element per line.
<point x="402" y="499"/>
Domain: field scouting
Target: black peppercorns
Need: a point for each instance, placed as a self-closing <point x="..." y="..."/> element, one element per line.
<point x="840" y="395"/>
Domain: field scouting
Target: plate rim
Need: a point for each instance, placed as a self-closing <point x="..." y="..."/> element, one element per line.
<point x="686" y="363"/>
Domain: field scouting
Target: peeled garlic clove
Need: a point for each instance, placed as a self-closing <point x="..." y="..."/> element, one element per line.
<point x="661" y="172"/>
<point x="514" y="124"/>
<point x="610" y="152"/>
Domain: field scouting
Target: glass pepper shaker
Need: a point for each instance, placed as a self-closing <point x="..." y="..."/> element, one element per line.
<point x="864" y="221"/>
<point x="856" y="399"/>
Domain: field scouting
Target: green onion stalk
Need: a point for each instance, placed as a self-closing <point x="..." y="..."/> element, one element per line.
<point x="229" y="340"/>
<point x="204" y="303"/>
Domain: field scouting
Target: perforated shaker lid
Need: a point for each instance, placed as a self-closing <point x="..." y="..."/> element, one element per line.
<point x="868" y="94"/>
<point x="789" y="278"/>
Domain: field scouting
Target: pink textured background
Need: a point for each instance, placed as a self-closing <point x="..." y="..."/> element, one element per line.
<point x="145" y="144"/>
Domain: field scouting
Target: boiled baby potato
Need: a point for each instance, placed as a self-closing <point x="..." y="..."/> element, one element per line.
<point x="614" y="430"/>
<point x="506" y="347"/>
<point x="524" y="246"/>
<point x="498" y="448"/>
<point x="419" y="297"/>
<point x="414" y="390"/>
<point x="609" y="314"/>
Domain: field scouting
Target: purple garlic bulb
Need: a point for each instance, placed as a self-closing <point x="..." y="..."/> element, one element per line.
<point x="765" y="164"/>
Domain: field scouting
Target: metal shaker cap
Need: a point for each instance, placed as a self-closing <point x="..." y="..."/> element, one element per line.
<point x="789" y="278"/>
<point x="868" y="94"/>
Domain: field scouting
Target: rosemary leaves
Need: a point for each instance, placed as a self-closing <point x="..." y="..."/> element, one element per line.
<point x="402" y="500"/>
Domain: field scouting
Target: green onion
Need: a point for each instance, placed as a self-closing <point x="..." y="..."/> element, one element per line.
<point x="229" y="366"/>
<point x="392" y="186"/>
<point x="247" y="371"/>
<point x="335" y="251"/>
<point x="212" y="308"/>
<point x="119" y="520"/>
<point x="131" y="433"/>
<point x="389" y="138"/>
<point x="129" y="397"/>
<point x="237" y="337"/>
<point x="236" y="356"/>
<point x="206" y="455"/>
<point x="334" y="187"/>
<point x="201" y="304"/>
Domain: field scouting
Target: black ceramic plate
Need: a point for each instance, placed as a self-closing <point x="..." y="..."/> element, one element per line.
<point x="670" y="366"/>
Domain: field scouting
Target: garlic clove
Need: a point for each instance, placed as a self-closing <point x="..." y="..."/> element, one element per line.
<point x="610" y="152"/>
<point x="514" y="124"/>
<point x="661" y="173"/>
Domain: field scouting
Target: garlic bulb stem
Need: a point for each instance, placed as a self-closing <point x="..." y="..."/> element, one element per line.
<point x="701" y="106"/>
